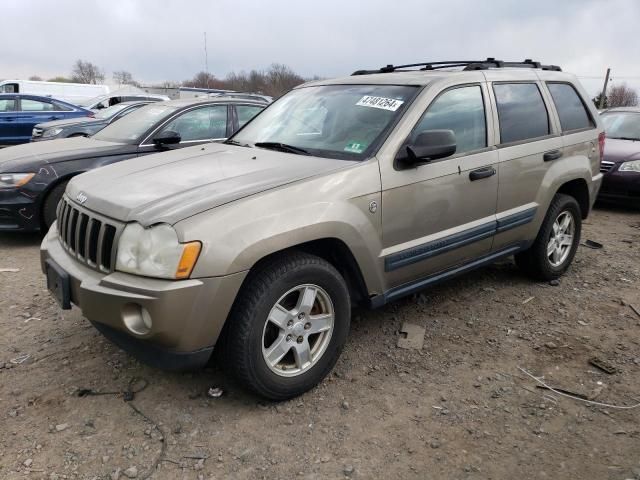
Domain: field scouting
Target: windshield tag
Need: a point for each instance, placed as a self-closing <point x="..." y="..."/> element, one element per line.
<point x="355" y="147"/>
<point x="390" y="104"/>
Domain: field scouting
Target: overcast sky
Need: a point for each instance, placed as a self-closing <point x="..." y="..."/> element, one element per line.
<point x="160" y="40"/>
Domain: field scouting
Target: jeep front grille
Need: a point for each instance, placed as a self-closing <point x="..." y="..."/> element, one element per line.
<point x="606" y="166"/>
<point x="88" y="237"/>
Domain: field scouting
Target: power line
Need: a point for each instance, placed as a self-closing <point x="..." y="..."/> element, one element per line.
<point x="600" y="77"/>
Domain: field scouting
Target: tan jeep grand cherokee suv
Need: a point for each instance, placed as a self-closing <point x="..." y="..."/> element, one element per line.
<point x="357" y="190"/>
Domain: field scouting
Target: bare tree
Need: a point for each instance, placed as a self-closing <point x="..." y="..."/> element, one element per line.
<point x="275" y="81"/>
<point x="60" y="79"/>
<point x="622" y="96"/>
<point x="86" y="72"/>
<point x="122" y="77"/>
<point x="35" y="78"/>
<point x="281" y="79"/>
<point x="203" y="80"/>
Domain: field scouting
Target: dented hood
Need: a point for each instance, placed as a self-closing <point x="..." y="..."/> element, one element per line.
<point x="171" y="186"/>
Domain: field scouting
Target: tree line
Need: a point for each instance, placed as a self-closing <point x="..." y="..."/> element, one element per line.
<point x="274" y="81"/>
<point x="618" y="96"/>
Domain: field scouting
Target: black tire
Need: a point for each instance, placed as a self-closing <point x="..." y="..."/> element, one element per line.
<point x="50" y="205"/>
<point x="243" y="336"/>
<point x="534" y="261"/>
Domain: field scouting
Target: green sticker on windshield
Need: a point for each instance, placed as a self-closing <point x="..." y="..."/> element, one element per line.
<point x="355" y="147"/>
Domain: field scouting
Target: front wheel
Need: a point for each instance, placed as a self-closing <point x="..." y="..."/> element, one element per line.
<point x="50" y="204"/>
<point x="557" y="242"/>
<point x="288" y="326"/>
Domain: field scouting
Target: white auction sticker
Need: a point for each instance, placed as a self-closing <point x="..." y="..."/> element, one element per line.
<point x="380" y="102"/>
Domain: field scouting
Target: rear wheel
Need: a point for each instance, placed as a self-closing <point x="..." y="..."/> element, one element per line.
<point x="50" y="204"/>
<point x="288" y="326"/>
<point x="557" y="242"/>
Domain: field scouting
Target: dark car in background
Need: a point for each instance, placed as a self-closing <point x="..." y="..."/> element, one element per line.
<point x="33" y="177"/>
<point x="621" y="161"/>
<point x="20" y="113"/>
<point x="86" y="126"/>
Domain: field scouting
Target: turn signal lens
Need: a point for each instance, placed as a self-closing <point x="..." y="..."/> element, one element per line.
<point x="188" y="260"/>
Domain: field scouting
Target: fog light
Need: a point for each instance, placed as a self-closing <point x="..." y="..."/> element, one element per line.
<point x="136" y="318"/>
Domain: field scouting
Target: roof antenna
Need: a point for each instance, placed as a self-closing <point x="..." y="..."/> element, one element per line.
<point x="206" y="59"/>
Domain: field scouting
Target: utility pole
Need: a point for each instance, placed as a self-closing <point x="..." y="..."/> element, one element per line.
<point x="206" y="60"/>
<point x="604" y="89"/>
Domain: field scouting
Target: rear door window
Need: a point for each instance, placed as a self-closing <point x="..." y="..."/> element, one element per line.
<point x="571" y="110"/>
<point x="28" y="105"/>
<point x="246" y="113"/>
<point x="521" y="112"/>
<point x="61" y="107"/>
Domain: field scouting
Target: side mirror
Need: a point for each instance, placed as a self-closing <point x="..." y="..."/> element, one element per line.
<point x="428" y="145"/>
<point x="168" y="137"/>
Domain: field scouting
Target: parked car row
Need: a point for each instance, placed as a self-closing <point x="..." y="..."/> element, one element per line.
<point x="621" y="162"/>
<point x="20" y="113"/>
<point x="41" y="170"/>
<point x="85" y="126"/>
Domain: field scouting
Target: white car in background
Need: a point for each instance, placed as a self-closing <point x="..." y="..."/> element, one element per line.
<point x="75" y="93"/>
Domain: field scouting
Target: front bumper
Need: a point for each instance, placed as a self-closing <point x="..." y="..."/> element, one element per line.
<point x="19" y="211"/>
<point x="187" y="316"/>
<point x="621" y="186"/>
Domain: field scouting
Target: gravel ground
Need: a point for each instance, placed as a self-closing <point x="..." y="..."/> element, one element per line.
<point x="459" y="408"/>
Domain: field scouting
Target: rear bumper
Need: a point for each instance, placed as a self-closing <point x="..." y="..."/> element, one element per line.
<point x="186" y="316"/>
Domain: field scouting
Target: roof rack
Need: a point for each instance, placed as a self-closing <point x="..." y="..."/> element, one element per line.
<point x="466" y="64"/>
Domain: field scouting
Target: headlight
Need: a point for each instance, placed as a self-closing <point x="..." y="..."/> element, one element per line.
<point x="633" y="166"/>
<point x="155" y="252"/>
<point x="9" y="180"/>
<point x="52" y="132"/>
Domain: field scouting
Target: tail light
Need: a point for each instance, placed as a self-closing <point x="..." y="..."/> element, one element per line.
<point x="601" y="139"/>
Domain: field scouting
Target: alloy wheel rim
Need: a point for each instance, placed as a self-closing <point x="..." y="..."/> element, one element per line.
<point x="298" y="330"/>
<point x="561" y="239"/>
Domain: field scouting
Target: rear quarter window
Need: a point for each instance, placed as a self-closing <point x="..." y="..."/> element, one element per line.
<point x="521" y="112"/>
<point x="571" y="110"/>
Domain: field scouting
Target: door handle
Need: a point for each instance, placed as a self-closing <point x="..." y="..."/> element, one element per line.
<point x="552" y="155"/>
<point x="482" y="173"/>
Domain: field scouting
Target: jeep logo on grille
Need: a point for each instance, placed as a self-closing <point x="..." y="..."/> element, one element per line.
<point x="81" y="198"/>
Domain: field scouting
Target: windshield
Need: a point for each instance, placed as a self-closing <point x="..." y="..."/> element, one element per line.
<point x="110" y="111"/>
<point x="132" y="127"/>
<point x="625" y="125"/>
<point x="334" y="121"/>
<point x="92" y="101"/>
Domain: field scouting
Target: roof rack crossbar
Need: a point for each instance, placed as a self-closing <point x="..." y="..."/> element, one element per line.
<point x="465" y="64"/>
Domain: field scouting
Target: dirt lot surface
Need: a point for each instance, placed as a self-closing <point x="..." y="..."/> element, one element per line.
<point x="458" y="409"/>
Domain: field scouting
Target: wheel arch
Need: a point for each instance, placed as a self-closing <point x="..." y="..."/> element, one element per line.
<point x="333" y="250"/>
<point x="49" y="189"/>
<point x="578" y="189"/>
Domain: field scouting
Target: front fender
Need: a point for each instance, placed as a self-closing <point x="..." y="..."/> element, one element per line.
<point x="337" y="205"/>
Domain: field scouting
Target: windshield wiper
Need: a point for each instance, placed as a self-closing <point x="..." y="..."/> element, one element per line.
<point x="283" y="147"/>
<point x="235" y="142"/>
